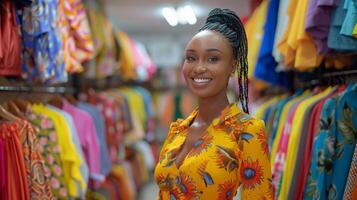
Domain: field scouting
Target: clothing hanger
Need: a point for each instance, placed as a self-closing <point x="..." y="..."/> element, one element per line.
<point x="12" y="108"/>
<point x="7" y="115"/>
<point x="70" y="98"/>
<point x="56" y="101"/>
<point x="21" y="104"/>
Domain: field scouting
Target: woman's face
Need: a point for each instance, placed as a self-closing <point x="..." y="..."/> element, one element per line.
<point x="209" y="61"/>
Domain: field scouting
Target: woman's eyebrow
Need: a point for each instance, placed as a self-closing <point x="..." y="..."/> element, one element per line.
<point x="213" y="49"/>
<point x="190" y="50"/>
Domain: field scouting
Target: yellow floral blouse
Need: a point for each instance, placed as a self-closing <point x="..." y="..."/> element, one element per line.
<point x="233" y="153"/>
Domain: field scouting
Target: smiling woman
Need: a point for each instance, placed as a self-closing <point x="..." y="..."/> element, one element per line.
<point x="219" y="147"/>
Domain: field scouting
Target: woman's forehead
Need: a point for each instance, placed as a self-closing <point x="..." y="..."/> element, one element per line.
<point x="208" y="39"/>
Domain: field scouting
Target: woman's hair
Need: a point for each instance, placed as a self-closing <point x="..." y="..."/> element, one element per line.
<point x="227" y="23"/>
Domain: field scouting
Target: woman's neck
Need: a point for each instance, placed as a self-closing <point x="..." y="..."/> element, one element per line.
<point x="210" y="108"/>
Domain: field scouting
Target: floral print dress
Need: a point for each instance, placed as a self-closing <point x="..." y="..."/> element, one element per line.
<point x="232" y="153"/>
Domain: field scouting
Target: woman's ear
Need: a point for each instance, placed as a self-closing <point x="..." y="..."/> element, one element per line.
<point x="234" y="67"/>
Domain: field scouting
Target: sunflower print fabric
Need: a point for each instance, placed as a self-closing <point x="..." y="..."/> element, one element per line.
<point x="233" y="153"/>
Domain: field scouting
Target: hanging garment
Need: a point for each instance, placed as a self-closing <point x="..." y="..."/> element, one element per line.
<point x="266" y="64"/>
<point x="298" y="136"/>
<point x="254" y="28"/>
<point x="336" y="40"/>
<point x="98" y="120"/>
<point x="77" y="43"/>
<point x="318" y="20"/>
<point x="114" y="128"/>
<point x="3" y="194"/>
<point x="281" y="27"/>
<point x="207" y="170"/>
<point x="39" y="182"/>
<point x="69" y="155"/>
<point x="16" y="185"/>
<point x="42" y="59"/>
<point x="354" y="33"/>
<point x="350" y="20"/>
<point x="75" y="139"/>
<point x="333" y="147"/>
<point x="87" y="137"/>
<point x="10" y="49"/>
<point x="351" y="183"/>
<point x="313" y="129"/>
<point x="50" y="151"/>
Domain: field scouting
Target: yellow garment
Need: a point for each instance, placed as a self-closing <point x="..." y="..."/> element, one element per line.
<point x="288" y="53"/>
<point x="232" y="153"/>
<point x="136" y="104"/>
<point x="294" y="140"/>
<point x="306" y="52"/>
<point x="281" y="123"/>
<point x="127" y="68"/>
<point x="259" y="114"/>
<point x="354" y="33"/>
<point x="296" y="45"/>
<point x="254" y="28"/>
<point x="69" y="156"/>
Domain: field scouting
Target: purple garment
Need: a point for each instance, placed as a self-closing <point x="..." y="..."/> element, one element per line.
<point x="318" y="21"/>
<point x="3" y="193"/>
<point x="86" y="132"/>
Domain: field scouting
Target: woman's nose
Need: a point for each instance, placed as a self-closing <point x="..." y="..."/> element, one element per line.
<point x="200" y="68"/>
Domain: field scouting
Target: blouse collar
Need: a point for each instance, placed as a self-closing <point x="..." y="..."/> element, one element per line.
<point x="228" y="112"/>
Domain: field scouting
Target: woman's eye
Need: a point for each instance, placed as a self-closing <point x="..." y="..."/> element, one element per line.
<point x="190" y="58"/>
<point x="212" y="59"/>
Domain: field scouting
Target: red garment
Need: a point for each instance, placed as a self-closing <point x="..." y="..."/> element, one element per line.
<point x="354" y="193"/>
<point x="114" y="129"/>
<point x="3" y="193"/>
<point x="16" y="183"/>
<point x="10" y="49"/>
<point x="313" y="129"/>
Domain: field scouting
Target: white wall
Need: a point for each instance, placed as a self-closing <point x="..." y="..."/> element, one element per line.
<point x="166" y="50"/>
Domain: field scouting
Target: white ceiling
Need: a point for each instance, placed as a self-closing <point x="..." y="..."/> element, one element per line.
<point x="144" y="16"/>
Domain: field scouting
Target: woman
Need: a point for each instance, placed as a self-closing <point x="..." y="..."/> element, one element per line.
<point x="218" y="147"/>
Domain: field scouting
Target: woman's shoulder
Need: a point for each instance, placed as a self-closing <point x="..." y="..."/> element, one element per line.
<point x="250" y="123"/>
<point x="176" y="124"/>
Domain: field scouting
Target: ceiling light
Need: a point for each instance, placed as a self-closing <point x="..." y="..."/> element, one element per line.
<point x="170" y="15"/>
<point x="181" y="14"/>
<point x="190" y="15"/>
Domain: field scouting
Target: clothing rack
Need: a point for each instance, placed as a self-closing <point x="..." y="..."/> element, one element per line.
<point x="323" y="78"/>
<point x="37" y="89"/>
<point x="341" y="73"/>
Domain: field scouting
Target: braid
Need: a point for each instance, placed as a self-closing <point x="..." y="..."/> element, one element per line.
<point x="230" y="26"/>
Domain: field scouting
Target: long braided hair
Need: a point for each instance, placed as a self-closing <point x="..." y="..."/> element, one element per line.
<point x="227" y="23"/>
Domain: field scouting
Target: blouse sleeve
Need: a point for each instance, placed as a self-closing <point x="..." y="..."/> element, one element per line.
<point x="254" y="170"/>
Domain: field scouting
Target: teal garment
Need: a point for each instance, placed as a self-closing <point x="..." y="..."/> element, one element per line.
<point x="83" y="168"/>
<point x="279" y="111"/>
<point x="336" y="40"/>
<point x="333" y="147"/>
<point x="350" y="19"/>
